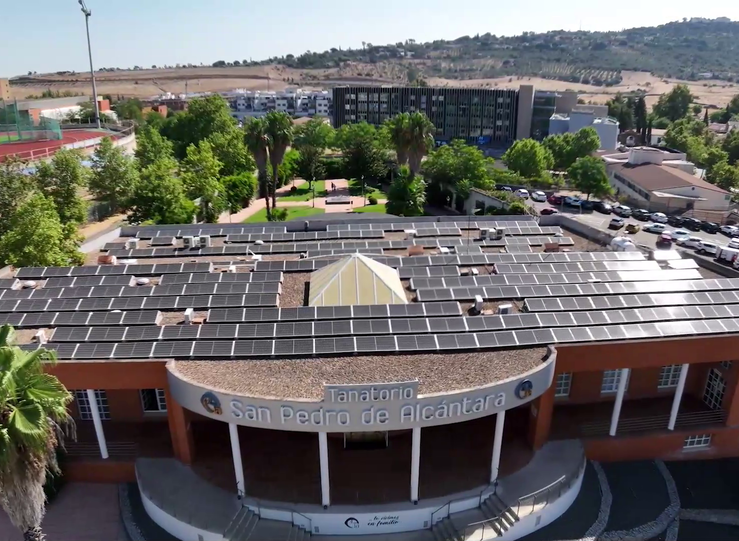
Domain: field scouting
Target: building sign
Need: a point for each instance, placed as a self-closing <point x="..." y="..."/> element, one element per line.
<point x="363" y="408"/>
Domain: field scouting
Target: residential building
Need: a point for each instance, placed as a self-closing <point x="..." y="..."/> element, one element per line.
<point x="607" y="127"/>
<point x="296" y="102"/>
<point x="662" y="180"/>
<point x="5" y="94"/>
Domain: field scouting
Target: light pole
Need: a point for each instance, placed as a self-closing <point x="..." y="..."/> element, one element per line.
<point x="363" y="197"/>
<point x="88" y="13"/>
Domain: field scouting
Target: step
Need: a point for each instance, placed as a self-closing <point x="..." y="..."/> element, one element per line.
<point x="242" y="525"/>
<point x="508" y="512"/>
<point x="298" y="534"/>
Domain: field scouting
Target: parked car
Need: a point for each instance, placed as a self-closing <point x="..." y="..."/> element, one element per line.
<point x="507" y="189"/>
<point x="602" y="207"/>
<point x="522" y="193"/>
<point x="729" y="230"/>
<point x="664" y="241"/>
<point x="554" y="199"/>
<point x="573" y="201"/>
<point x="539" y="196"/>
<point x="548" y="211"/>
<point x="659" y="217"/>
<point x="693" y="224"/>
<point x="709" y="227"/>
<point x="675" y="221"/>
<point x="633" y="228"/>
<point x="586" y="205"/>
<point x="622" y="210"/>
<point x="727" y="255"/>
<point x="640" y="214"/>
<point x="655" y="228"/>
<point x="689" y="242"/>
<point x="708" y="248"/>
<point x="616" y="223"/>
<point x="733" y="243"/>
<point x="679" y="234"/>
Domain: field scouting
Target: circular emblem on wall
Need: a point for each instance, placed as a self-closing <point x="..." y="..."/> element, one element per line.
<point x="211" y="403"/>
<point x="524" y="389"/>
<point x="351" y="522"/>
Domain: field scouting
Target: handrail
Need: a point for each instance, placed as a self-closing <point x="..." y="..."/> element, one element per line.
<point x="292" y="512"/>
<point x="560" y="484"/>
<point x="450" y="502"/>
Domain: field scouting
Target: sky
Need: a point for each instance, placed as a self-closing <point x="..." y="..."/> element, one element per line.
<point x="49" y="35"/>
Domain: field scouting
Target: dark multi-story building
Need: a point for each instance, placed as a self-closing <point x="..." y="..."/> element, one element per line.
<point x="477" y="115"/>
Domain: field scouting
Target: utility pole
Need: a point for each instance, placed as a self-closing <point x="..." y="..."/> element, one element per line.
<point x="88" y="14"/>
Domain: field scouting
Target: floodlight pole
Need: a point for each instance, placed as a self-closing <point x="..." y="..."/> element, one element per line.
<point x="88" y="14"/>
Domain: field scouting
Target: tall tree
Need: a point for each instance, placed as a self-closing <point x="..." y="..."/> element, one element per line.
<point x="239" y="190"/>
<point x="204" y="117"/>
<point x="199" y="172"/>
<point x="449" y="164"/>
<point x="731" y="146"/>
<point x="724" y="176"/>
<point x="257" y="141"/>
<point x="230" y="150"/>
<point x="622" y="110"/>
<point x="62" y="181"/>
<point x="113" y="175"/>
<point x="528" y="158"/>
<point x="33" y="423"/>
<point x="37" y="238"/>
<point x="561" y="147"/>
<point x="421" y="139"/>
<point x="407" y="194"/>
<point x="15" y="189"/>
<point x="129" y="109"/>
<point x="675" y="104"/>
<point x="397" y="131"/>
<point x="585" y="142"/>
<point x="280" y="133"/>
<point x="159" y="197"/>
<point x="589" y="176"/>
<point x="312" y="139"/>
<point x="151" y="146"/>
<point x="640" y="117"/>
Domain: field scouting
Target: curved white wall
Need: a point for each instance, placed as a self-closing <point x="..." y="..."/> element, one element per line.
<point x="176" y="527"/>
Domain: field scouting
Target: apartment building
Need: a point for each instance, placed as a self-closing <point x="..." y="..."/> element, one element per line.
<point x="295" y="102"/>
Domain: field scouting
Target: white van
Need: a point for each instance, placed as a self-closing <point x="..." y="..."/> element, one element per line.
<point x="727" y="255"/>
<point x="622" y="244"/>
<point x="522" y="193"/>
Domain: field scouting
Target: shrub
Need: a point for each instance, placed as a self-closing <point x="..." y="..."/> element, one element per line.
<point x="293" y="189"/>
<point x="279" y="215"/>
<point x="372" y="200"/>
<point x="516" y="208"/>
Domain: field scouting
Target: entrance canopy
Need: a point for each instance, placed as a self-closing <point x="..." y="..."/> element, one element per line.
<point x="356" y="279"/>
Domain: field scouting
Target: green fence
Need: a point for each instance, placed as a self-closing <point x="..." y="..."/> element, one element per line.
<point x="18" y="125"/>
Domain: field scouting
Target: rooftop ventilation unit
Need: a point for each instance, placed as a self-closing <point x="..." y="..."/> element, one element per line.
<point x="474" y="272"/>
<point x="484" y="232"/>
<point x="205" y="241"/>
<point x="142" y="281"/>
<point x="40" y="337"/>
<point x="132" y="244"/>
<point x="410" y="233"/>
<point x="499" y="233"/>
<point x="29" y="284"/>
<point x="504" y="309"/>
<point x="189" y="316"/>
<point x="231" y="268"/>
<point x="478" y="304"/>
<point x="443" y="250"/>
<point x="188" y="242"/>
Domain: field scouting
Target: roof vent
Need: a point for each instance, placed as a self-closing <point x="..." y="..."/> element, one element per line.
<point x="443" y="250"/>
<point x="474" y="272"/>
<point x="29" y="284"/>
<point x="189" y="316"/>
<point x="258" y="242"/>
<point x="142" y="281"/>
<point x="231" y="268"/>
<point x="504" y="309"/>
<point x="478" y="304"/>
<point x="132" y="244"/>
<point x="40" y="337"/>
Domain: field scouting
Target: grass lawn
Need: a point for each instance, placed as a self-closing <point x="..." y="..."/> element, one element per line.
<point x="380" y="209"/>
<point x="8" y="137"/>
<point x="304" y="193"/>
<point x="355" y="188"/>
<point x="292" y="212"/>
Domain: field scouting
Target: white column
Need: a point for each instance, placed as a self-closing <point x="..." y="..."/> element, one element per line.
<point x="415" y="463"/>
<point x="323" y="455"/>
<point x="678" y="396"/>
<point x="95" y="411"/>
<point x="619" y="400"/>
<point x="233" y="432"/>
<point x="497" y="445"/>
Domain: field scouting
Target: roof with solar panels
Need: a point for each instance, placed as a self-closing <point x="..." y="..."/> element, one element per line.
<point x="438" y="288"/>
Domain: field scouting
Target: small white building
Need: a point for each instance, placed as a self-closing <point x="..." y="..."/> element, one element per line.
<point x="605" y="126"/>
<point x="294" y="101"/>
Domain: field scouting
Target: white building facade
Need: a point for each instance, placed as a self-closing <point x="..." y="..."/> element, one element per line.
<point x="295" y="102"/>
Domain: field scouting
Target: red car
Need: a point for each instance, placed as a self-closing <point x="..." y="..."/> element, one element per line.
<point x="554" y="199"/>
<point x="547" y="212"/>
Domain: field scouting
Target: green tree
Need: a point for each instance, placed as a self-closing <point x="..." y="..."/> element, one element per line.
<point x="129" y="109"/>
<point x="589" y="176"/>
<point x="62" y="180"/>
<point x="724" y="176"/>
<point x="280" y="134"/>
<point x="204" y="117"/>
<point x="159" y="197"/>
<point x="200" y="175"/>
<point x="447" y="165"/>
<point x="528" y="158"/>
<point x="396" y="131"/>
<point x="713" y="156"/>
<point x="15" y="189"/>
<point x="239" y="190"/>
<point x="231" y="151"/>
<point x="622" y="110"/>
<point x="407" y="194"/>
<point x="640" y="117"/>
<point x="561" y="147"/>
<point x="151" y="147"/>
<point x="86" y="115"/>
<point x="311" y="140"/>
<point x="349" y="135"/>
<point x="688" y="135"/>
<point x="113" y="175"/>
<point x="257" y="141"/>
<point x="421" y="138"/>
<point x="289" y="167"/>
<point x="675" y="104"/>
<point x="365" y="158"/>
<point x="731" y="146"/>
<point x="585" y="142"/>
<point x="37" y="238"/>
<point x="33" y="423"/>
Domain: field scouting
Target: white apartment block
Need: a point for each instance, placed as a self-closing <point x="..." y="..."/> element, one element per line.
<point x="294" y="101"/>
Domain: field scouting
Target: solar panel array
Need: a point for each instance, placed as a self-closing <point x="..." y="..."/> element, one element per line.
<point x="438" y="232"/>
<point x="305" y="235"/>
<point x="522" y="227"/>
<point x="404" y="343"/>
<point x="35" y="273"/>
<point x="220" y="277"/>
<point x="179" y="231"/>
<point x="631" y="301"/>
<point x="60" y="319"/>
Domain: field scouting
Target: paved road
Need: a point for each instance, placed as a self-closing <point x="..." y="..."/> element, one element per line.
<point x="600" y="221"/>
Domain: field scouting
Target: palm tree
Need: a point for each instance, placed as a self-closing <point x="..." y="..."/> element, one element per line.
<point x="420" y="139"/>
<point x="397" y="133"/>
<point x="257" y="141"/>
<point x="33" y="413"/>
<point x="280" y="133"/>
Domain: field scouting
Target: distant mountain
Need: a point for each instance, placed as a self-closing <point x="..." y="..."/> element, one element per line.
<point x="691" y="49"/>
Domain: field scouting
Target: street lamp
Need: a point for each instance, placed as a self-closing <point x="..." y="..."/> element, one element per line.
<point x="363" y="197"/>
<point x="88" y="14"/>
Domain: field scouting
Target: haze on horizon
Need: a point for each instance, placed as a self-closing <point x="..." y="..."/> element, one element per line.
<point x="49" y="35"/>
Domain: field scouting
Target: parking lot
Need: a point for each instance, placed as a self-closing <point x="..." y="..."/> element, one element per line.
<point x="600" y="221"/>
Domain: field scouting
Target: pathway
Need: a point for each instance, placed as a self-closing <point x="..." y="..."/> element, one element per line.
<point x="259" y="204"/>
<point x="81" y="512"/>
<point x="342" y="189"/>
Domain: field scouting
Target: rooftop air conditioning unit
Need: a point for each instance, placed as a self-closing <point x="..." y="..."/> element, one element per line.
<point x="443" y="250"/>
<point x="205" y="241"/>
<point x="256" y="257"/>
<point x="132" y="244"/>
<point x="258" y="242"/>
<point x="474" y="272"/>
<point x="40" y="337"/>
<point x="142" y="281"/>
<point x="29" y="284"/>
<point x="231" y="268"/>
<point x="478" y="303"/>
<point x="303" y="255"/>
<point x="484" y="233"/>
<point x="504" y="309"/>
<point x="189" y="315"/>
<point x="188" y="242"/>
<point x="499" y="233"/>
<point x="410" y="233"/>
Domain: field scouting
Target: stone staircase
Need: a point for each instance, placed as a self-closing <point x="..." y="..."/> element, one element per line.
<point x="444" y="530"/>
<point x="502" y="517"/>
<point x="247" y="526"/>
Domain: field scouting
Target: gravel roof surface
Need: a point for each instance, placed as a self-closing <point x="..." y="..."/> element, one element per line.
<point x="304" y="378"/>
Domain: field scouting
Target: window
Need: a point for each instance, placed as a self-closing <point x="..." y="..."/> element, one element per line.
<point x="83" y="405"/>
<point x="713" y="394"/>
<point x="726" y="365"/>
<point x="700" y="440"/>
<point x="610" y="381"/>
<point x="153" y="400"/>
<point x="563" y="384"/>
<point x="668" y="376"/>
